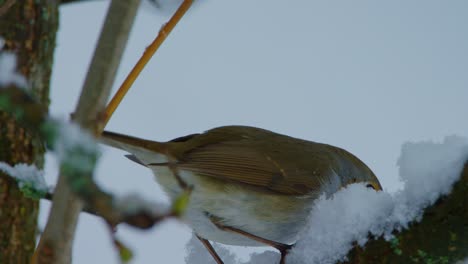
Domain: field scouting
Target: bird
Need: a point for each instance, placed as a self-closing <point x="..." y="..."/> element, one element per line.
<point x="249" y="186"/>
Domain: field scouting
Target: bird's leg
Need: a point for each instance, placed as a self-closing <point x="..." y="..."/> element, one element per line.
<point x="171" y="165"/>
<point x="282" y="248"/>
<point x="183" y="185"/>
<point x="210" y="249"/>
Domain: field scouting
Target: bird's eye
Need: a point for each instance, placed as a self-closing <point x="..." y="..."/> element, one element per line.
<point x="370" y="186"/>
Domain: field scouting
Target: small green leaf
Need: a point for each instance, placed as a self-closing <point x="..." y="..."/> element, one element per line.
<point x="421" y="253"/>
<point x="394" y="244"/>
<point x="453" y="236"/>
<point x="181" y="203"/>
<point x="125" y="253"/>
<point x="398" y="252"/>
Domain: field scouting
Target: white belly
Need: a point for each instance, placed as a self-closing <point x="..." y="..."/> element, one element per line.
<point x="266" y="215"/>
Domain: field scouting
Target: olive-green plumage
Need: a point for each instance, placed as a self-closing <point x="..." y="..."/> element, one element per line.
<point x="260" y="158"/>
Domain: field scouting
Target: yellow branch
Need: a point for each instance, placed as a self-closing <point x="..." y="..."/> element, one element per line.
<point x="149" y="52"/>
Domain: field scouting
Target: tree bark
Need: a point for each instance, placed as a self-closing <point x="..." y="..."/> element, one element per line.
<point x="440" y="238"/>
<point x="28" y="29"/>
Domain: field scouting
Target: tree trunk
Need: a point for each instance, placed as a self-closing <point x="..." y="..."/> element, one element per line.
<point x="28" y="28"/>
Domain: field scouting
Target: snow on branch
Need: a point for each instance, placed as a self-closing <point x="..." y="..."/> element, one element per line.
<point x="361" y="219"/>
<point x="8" y="74"/>
<point x="428" y="171"/>
<point x="76" y="150"/>
<point x="439" y="235"/>
<point x="29" y="178"/>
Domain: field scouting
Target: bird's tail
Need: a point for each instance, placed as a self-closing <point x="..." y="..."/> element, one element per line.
<point x="146" y="151"/>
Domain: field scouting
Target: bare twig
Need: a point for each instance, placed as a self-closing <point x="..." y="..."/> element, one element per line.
<point x="104" y="206"/>
<point x="149" y="52"/>
<point x="4" y="8"/>
<point x="56" y="242"/>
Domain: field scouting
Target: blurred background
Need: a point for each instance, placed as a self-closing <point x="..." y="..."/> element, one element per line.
<point x="366" y="76"/>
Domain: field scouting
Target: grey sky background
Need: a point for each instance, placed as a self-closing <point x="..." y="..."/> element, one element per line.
<point x="363" y="75"/>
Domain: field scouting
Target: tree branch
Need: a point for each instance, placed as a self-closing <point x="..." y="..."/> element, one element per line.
<point x="138" y="214"/>
<point x="56" y="241"/>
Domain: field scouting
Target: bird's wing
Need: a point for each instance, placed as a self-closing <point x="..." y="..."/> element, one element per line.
<point x="244" y="163"/>
<point x="275" y="163"/>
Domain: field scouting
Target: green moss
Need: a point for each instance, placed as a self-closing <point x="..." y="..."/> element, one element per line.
<point x="30" y="191"/>
<point x="423" y="257"/>
<point x="4" y="102"/>
<point x="394" y="244"/>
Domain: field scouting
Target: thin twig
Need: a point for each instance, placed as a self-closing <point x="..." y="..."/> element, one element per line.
<point x="6" y="6"/>
<point x="149" y="52"/>
<point x="144" y="218"/>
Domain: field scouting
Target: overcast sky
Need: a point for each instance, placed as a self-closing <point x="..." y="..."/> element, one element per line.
<point x="366" y="76"/>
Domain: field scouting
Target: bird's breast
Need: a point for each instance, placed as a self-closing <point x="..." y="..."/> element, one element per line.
<point x="272" y="216"/>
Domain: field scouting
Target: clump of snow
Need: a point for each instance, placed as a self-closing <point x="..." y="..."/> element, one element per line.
<point x="133" y="203"/>
<point x="428" y="171"/>
<point x="8" y="74"/>
<point x="267" y="257"/>
<point x="26" y="175"/>
<point x="74" y="147"/>
<point x="336" y="223"/>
